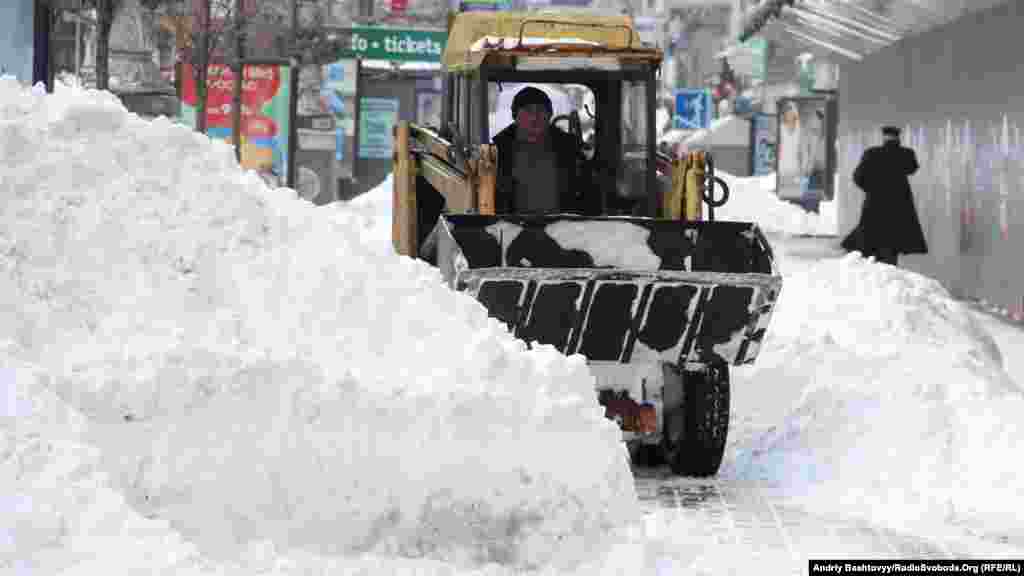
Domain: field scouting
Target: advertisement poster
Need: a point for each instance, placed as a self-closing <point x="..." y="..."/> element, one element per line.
<point x="264" y="137"/>
<point x="326" y="107"/>
<point x="763" y="139"/>
<point x="428" y="109"/>
<point x="377" y="119"/>
<point x="802" y="160"/>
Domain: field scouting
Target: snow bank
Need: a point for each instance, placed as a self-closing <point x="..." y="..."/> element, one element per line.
<point x="375" y="207"/>
<point x="754" y="200"/>
<point x="60" y="514"/>
<point x="253" y="370"/>
<point x="904" y="413"/>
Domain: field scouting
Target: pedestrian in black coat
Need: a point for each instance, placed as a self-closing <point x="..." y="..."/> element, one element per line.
<point x="888" y="225"/>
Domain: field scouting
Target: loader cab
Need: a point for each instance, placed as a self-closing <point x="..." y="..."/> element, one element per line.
<point x="609" y="78"/>
<point x="609" y="108"/>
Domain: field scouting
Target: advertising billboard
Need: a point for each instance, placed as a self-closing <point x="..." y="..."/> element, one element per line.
<point x="762" y="144"/>
<point x="377" y="119"/>
<point x="265" y="128"/>
<point x="805" y="158"/>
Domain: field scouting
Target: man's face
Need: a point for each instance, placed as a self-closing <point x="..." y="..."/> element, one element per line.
<point x="532" y="122"/>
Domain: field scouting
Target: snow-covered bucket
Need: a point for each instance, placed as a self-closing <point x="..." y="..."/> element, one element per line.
<point x="617" y="289"/>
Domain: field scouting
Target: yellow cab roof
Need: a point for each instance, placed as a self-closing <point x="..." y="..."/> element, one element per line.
<point x="475" y="35"/>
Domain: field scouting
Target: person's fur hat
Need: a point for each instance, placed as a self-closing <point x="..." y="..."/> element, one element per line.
<point x="531" y="95"/>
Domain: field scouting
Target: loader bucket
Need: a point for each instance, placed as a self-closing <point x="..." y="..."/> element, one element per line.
<point x="617" y="289"/>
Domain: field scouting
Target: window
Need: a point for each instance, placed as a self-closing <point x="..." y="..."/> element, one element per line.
<point x="635" y="155"/>
<point x="565" y="98"/>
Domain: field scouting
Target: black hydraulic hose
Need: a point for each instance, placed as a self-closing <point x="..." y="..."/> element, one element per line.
<point x="709" y="188"/>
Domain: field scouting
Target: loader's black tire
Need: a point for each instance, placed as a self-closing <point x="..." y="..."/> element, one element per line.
<point x="695" y="432"/>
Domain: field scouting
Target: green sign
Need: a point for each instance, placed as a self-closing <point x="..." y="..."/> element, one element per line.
<point x="403" y="45"/>
<point x="759" y="50"/>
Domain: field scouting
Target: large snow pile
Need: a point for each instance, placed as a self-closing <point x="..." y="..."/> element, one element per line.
<point x="375" y="207"/>
<point x="252" y="370"/>
<point x="903" y="412"/>
<point x="754" y="200"/>
<point x="59" y="511"/>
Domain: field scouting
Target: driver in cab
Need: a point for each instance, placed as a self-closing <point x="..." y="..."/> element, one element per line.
<point x="536" y="160"/>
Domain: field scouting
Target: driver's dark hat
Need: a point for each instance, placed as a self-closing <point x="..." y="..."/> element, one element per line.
<point x="531" y="95"/>
<point x="891" y="131"/>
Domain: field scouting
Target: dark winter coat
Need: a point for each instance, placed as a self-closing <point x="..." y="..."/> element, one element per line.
<point x="888" y="218"/>
<point x="565" y="149"/>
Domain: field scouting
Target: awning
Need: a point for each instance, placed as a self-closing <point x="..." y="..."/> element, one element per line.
<point x="853" y="29"/>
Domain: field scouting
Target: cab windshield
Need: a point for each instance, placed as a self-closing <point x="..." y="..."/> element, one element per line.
<point x="608" y="113"/>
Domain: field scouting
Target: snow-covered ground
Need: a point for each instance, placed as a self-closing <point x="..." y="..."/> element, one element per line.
<point x="753" y="200"/>
<point x="201" y="375"/>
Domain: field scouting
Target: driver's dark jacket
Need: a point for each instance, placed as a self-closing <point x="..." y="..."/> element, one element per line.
<point x="564" y="146"/>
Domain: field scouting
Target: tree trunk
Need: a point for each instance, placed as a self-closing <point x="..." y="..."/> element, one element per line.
<point x="104" y="17"/>
<point x="200" y="72"/>
<point x="236" y="89"/>
<point x="201" y="63"/>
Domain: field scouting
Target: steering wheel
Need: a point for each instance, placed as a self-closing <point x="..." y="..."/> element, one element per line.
<point x="573" y="118"/>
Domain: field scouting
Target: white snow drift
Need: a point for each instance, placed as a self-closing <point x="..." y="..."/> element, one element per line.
<point x="194" y="366"/>
<point x="902" y="412"/>
<point x="252" y="370"/>
<point x="754" y="200"/>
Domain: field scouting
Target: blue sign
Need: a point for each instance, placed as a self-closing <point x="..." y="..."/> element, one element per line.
<point x="693" y="109"/>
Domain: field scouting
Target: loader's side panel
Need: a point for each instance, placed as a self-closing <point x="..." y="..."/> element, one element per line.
<point x="502" y="300"/>
<point x="726" y="311"/>
<point x="668" y="316"/>
<point x="553" y="313"/>
<point x="608" y="321"/>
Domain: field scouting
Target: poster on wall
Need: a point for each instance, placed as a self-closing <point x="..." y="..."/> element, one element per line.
<point x="802" y="160"/>
<point x="264" y="129"/>
<point x="428" y="109"/>
<point x="763" y="144"/>
<point x="326" y="105"/>
<point x="377" y="119"/>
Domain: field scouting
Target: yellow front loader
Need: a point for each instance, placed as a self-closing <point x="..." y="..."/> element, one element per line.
<point x="658" y="296"/>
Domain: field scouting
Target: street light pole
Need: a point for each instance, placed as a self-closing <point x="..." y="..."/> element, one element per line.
<point x="293" y="96"/>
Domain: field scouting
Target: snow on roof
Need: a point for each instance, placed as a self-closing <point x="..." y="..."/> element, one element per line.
<point x="508" y="42"/>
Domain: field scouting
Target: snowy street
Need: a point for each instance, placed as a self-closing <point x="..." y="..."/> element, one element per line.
<point x="203" y="375"/>
<point x="735" y="522"/>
